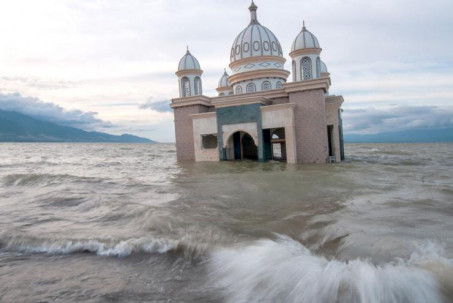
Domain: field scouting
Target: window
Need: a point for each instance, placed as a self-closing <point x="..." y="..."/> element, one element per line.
<point x="197" y="86"/>
<point x="279" y="84"/>
<point x="251" y="88"/>
<point x="185" y="84"/>
<point x="238" y="90"/>
<point x="294" y="71"/>
<point x="208" y="141"/>
<point x="266" y="85"/>
<point x="318" y="67"/>
<point x="306" y="68"/>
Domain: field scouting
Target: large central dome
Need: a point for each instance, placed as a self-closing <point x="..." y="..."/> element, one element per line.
<point x="255" y="40"/>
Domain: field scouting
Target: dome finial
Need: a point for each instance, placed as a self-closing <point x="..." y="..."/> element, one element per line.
<point x="252" y="9"/>
<point x="303" y="25"/>
<point x="188" y="49"/>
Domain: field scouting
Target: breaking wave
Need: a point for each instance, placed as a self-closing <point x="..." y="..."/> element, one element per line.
<point x="185" y="246"/>
<point x="286" y="271"/>
<point x="122" y="248"/>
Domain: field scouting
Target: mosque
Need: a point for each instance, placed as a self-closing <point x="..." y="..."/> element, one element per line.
<point x="257" y="114"/>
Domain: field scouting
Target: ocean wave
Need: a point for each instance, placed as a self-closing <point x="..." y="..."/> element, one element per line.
<point x="111" y="247"/>
<point x="286" y="271"/>
<point x="42" y="179"/>
<point x="101" y="247"/>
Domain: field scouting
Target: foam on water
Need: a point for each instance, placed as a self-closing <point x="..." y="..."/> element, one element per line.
<point x="101" y="247"/>
<point x="286" y="271"/>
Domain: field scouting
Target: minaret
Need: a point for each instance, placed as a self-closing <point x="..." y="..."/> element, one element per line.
<point x="224" y="88"/>
<point x="305" y="51"/>
<point x="189" y="76"/>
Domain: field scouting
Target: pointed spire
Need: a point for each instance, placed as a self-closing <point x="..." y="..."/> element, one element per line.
<point x="188" y="49"/>
<point x="253" y="17"/>
<point x="303" y="25"/>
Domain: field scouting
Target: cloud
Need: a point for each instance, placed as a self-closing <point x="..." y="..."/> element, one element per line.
<point x="47" y="111"/>
<point x="396" y="118"/>
<point x="158" y="106"/>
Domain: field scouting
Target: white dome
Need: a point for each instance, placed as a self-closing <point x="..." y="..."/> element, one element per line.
<point x="188" y="61"/>
<point x="224" y="80"/>
<point x="305" y="39"/>
<point x="255" y="40"/>
<point x="323" y="67"/>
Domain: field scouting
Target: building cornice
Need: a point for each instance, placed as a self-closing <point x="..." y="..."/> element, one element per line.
<point x="187" y="72"/>
<point x="320" y="83"/>
<point x="241" y="100"/>
<point x="305" y="51"/>
<point x="257" y="60"/>
<point x="333" y="99"/>
<point x="224" y="89"/>
<point x="260" y="73"/>
<point x="193" y="100"/>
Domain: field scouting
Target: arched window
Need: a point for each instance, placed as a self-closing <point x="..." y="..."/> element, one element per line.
<point x="251" y="88"/>
<point x="294" y="71"/>
<point x="306" y="68"/>
<point x="318" y="68"/>
<point x="266" y="85"/>
<point x="197" y="86"/>
<point x="278" y="85"/>
<point x="185" y="85"/>
<point x="238" y="90"/>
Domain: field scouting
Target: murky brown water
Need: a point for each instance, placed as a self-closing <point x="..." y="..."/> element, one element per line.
<point x="127" y="223"/>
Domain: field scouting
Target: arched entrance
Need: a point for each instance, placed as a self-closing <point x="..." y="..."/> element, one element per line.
<point x="249" y="149"/>
<point x="242" y="146"/>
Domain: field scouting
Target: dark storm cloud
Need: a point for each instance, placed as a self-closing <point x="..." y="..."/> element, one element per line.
<point x="158" y="106"/>
<point x="47" y="111"/>
<point x="373" y="120"/>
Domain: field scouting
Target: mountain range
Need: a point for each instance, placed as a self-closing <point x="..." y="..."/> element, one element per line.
<point x="17" y="127"/>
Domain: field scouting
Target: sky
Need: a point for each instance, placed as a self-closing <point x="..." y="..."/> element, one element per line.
<point x="109" y="65"/>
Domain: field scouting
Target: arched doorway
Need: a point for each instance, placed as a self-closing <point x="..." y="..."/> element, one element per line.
<point x="249" y="149"/>
<point x="241" y="145"/>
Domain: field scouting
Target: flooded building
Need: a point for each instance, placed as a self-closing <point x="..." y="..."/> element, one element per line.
<point x="257" y="114"/>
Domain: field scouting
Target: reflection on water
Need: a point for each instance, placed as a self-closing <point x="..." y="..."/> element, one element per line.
<point x="127" y="223"/>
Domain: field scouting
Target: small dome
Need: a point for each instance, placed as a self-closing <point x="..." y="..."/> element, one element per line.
<point x="255" y="40"/>
<point x="323" y="67"/>
<point x="224" y="80"/>
<point x="305" y="39"/>
<point x="188" y="61"/>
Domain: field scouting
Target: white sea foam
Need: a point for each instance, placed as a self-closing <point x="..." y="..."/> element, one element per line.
<point x="286" y="271"/>
<point x="106" y="247"/>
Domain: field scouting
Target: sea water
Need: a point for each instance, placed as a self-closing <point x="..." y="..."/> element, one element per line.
<point x="128" y="223"/>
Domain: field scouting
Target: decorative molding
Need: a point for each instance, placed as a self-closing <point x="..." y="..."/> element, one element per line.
<point x="305" y="51"/>
<point x="257" y="59"/>
<point x="261" y="73"/>
<point x="188" y="72"/>
<point x="224" y="89"/>
<point x="246" y="99"/>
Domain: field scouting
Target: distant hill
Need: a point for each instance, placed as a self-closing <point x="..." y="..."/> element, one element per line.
<point x="408" y="136"/>
<point x="17" y="127"/>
